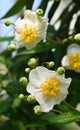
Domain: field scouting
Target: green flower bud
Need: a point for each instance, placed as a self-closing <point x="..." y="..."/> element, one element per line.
<point x="21" y="96"/>
<point x="8" y="22"/>
<point x="32" y="62"/>
<point x="23" y="80"/>
<point x="26" y="12"/>
<point x="12" y="47"/>
<point x="77" y="37"/>
<point x="39" y="12"/>
<point x="31" y="99"/>
<point x="51" y="64"/>
<point x="61" y="70"/>
<point x="37" y="110"/>
<point x="27" y="70"/>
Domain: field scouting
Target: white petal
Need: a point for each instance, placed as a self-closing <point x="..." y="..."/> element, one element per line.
<point x="60" y="97"/>
<point x="31" y="17"/>
<point x="19" y="23"/>
<point x="45" y="102"/>
<point x="64" y="62"/>
<point x="33" y="89"/>
<point x="17" y="38"/>
<point x="34" y="77"/>
<point x="64" y="84"/>
<point x="42" y="23"/>
<point x="42" y="72"/>
<point x="30" y="46"/>
<point x="73" y="48"/>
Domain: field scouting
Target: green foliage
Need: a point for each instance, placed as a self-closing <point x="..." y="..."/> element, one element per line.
<point x="15" y="9"/>
<point x="17" y="114"/>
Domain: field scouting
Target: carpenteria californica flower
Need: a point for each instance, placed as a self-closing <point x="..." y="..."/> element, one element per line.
<point x="72" y="59"/>
<point x="48" y="87"/>
<point x="30" y="30"/>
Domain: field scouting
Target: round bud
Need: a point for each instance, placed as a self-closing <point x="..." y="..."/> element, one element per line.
<point x="8" y="22"/>
<point x="12" y="47"/>
<point x="23" y="80"/>
<point x="77" y="37"/>
<point x="26" y="12"/>
<point x="61" y="70"/>
<point x="51" y="64"/>
<point x="37" y="110"/>
<point x="39" y="12"/>
<point x="32" y="62"/>
<point x="65" y="40"/>
<point x="31" y="99"/>
<point x="27" y="70"/>
<point x="21" y="96"/>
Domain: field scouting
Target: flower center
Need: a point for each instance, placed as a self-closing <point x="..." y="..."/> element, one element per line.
<point x="74" y="60"/>
<point x="28" y="33"/>
<point x="50" y="87"/>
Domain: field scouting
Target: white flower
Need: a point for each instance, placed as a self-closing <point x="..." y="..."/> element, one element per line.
<point x="30" y="30"/>
<point x="48" y="87"/>
<point x="72" y="59"/>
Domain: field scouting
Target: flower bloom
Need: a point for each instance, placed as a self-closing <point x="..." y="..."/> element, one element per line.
<point x="72" y="59"/>
<point x="48" y="87"/>
<point x="30" y="30"/>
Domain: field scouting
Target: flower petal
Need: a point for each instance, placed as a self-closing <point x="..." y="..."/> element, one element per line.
<point x="64" y="84"/>
<point x="33" y="88"/>
<point x="73" y="48"/>
<point x="65" y="63"/>
<point x="45" y="102"/>
<point x="19" y="23"/>
<point x="60" y="97"/>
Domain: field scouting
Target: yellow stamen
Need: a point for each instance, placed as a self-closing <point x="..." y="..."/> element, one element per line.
<point x="74" y="60"/>
<point x="28" y="34"/>
<point x="50" y="87"/>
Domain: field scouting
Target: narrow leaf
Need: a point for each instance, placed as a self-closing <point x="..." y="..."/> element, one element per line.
<point x="15" y="9"/>
<point x="29" y="4"/>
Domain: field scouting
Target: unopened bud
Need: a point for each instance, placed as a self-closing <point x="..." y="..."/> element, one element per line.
<point x="37" y="110"/>
<point x="21" y="96"/>
<point x="23" y="80"/>
<point x="77" y="37"/>
<point x="31" y="99"/>
<point x="32" y="62"/>
<point x="8" y="22"/>
<point x="26" y="12"/>
<point x="39" y="12"/>
<point x="27" y="70"/>
<point x="61" y="70"/>
<point x="51" y="64"/>
<point x="12" y="47"/>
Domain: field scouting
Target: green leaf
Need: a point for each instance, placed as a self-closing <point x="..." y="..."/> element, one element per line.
<point x="38" y="123"/>
<point x="63" y="119"/>
<point x="5" y="105"/>
<point x="7" y="126"/>
<point x="43" y="5"/>
<point x="41" y="47"/>
<point x="20" y="125"/>
<point x="29" y="4"/>
<point x="15" y="9"/>
<point x="53" y="9"/>
<point x="65" y="23"/>
<point x="14" y="88"/>
<point x="16" y="102"/>
<point x="3" y="39"/>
